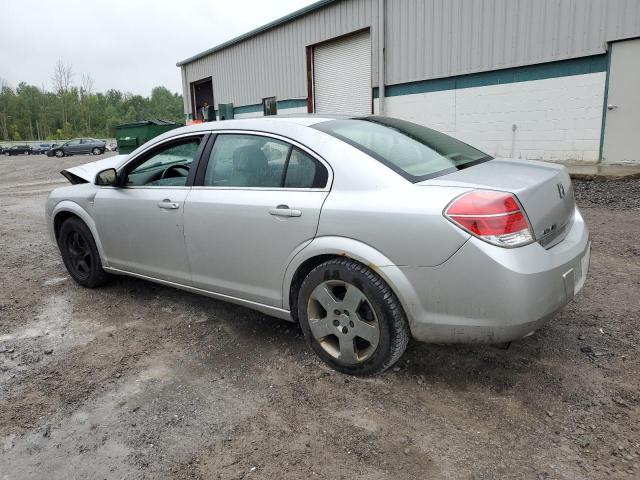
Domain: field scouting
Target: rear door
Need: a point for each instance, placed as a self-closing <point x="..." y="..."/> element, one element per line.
<point x="86" y="144"/>
<point x="256" y="201"/>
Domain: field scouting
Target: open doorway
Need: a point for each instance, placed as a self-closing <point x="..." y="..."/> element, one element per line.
<point x="201" y="94"/>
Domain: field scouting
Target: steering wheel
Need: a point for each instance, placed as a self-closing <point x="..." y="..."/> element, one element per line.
<point x="180" y="170"/>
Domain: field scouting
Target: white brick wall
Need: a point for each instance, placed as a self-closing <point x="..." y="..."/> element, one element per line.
<point x="556" y="118"/>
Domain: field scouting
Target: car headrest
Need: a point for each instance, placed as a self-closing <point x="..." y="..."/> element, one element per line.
<point x="250" y="158"/>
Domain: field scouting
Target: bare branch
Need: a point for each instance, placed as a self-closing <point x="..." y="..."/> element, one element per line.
<point x="62" y="77"/>
<point x="86" y="87"/>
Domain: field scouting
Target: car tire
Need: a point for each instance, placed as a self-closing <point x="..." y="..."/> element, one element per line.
<point x="96" y="151"/>
<point x="351" y="318"/>
<point x="80" y="254"/>
<point x="59" y="153"/>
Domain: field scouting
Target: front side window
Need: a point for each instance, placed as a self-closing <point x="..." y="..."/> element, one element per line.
<point x="167" y="166"/>
<point x="413" y="151"/>
<point x="74" y="142"/>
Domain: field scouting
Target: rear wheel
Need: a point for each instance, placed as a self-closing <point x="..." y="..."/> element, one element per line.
<point x="80" y="254"/>
<point x="351" y="318"/>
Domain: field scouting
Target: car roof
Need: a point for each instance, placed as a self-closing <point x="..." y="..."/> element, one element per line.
<point x="303" y="119"/>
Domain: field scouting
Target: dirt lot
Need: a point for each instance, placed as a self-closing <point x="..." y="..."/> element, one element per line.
<point x="135" y="380"/>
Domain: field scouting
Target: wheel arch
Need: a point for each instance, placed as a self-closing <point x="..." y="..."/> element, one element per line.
<point x="67" y="209"/>
<point x="325" y="248"/>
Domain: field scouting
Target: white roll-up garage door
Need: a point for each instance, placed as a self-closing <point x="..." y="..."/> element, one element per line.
<point x="342" y="75"/>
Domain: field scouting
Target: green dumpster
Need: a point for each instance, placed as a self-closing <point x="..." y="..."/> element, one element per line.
<point x="131" y="135"/>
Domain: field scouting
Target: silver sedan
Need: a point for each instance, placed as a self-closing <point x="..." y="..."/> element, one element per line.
<point x="366" y="231"/>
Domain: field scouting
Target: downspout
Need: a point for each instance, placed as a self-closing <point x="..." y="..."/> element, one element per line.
<point x="381" y="62"/>
<point x="605" y="102"/>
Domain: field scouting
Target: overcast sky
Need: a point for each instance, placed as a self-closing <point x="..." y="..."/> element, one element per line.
<point x="130" y="45"/>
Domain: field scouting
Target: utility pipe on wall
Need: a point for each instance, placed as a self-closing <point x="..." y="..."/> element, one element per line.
<point x="381" y="62"/>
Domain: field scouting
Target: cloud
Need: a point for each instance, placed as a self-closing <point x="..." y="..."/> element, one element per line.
<point x="128" y="45"/>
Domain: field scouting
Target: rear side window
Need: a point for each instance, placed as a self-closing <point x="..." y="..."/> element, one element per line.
<point x="246" y="161"/>
<point x="304" y="171"/>
<point x="413" y="151"/>
<point x="254" y="161"/>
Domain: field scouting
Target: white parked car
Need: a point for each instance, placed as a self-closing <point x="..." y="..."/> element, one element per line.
<point x="365" y="230"/>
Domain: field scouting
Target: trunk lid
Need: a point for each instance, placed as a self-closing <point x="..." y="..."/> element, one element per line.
<point x="87" y="172"/>
<point x="543" y="189"/>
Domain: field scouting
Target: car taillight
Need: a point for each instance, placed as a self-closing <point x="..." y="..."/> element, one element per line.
<point x="495" y="217"/>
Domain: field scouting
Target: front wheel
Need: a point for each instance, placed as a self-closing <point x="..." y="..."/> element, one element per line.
<point x="80" y="254"/>
<point x="351" y="318"/>
<point x="59" y="153"/>
<point x="96" y="151"/>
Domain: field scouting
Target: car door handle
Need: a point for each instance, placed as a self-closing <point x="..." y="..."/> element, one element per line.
<point x="285" y="211"/>
<point x="167" y="204"/>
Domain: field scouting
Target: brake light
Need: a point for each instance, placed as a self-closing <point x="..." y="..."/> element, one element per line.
<point x="495" y="217"/>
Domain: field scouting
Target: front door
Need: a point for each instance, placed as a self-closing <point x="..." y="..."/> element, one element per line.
<point x="140" y="223"/>
<point x="623" y="104"/>
<point x="256" y="204"/>
<point x="72" y="146"/>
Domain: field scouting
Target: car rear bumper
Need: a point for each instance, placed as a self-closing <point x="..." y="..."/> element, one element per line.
<point x="490" y="294"/>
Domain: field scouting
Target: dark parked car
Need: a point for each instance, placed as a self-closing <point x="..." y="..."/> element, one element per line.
<point x="41" y="148"/>
<point x="18" y="150"/>
<point x="78" y="146"/>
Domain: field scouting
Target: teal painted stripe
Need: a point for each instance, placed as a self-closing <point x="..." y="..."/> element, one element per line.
<point x="247" y="109"/>
<point x="564" y="68"/>
<point x="282" y="104"/>
<point x="293" y="103"/>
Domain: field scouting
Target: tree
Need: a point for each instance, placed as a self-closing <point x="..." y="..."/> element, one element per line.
<point x="29" y="112"/>
<point x="62" y="77"/>
<point x="86" y="87"/>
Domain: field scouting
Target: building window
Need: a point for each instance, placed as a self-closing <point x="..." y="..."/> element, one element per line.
<point x="269" y="106"/>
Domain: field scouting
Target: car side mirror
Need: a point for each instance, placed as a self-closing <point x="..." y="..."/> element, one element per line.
<point x="107" y="178"/>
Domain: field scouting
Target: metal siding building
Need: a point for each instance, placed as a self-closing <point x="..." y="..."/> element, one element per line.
<point x="456" y="65"/>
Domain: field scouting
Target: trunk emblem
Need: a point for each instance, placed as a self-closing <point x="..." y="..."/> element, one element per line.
<point x="561" y="191"/>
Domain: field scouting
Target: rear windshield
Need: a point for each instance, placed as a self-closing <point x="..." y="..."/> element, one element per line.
<point x="413" y="151"/>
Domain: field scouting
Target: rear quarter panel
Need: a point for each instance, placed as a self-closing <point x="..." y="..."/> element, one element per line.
<point x="404" y="223"/>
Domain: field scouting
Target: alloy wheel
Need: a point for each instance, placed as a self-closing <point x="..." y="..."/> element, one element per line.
<point x="343" y="321"/>
<point x="79" y="254"/>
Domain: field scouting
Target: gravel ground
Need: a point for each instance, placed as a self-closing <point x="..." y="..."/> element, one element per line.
<point x="135" y="380"/>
